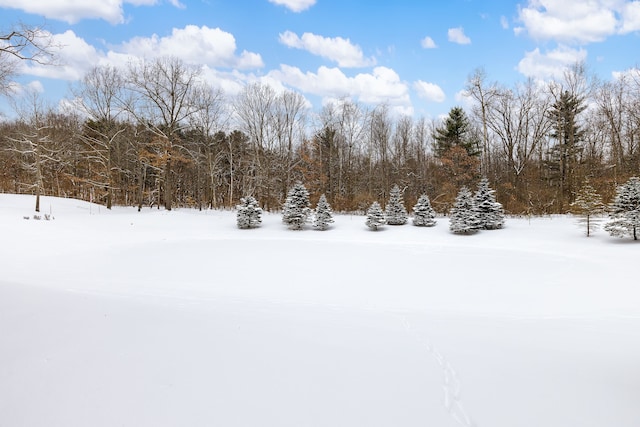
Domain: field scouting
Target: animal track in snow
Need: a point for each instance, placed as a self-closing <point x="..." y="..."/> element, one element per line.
<point x="450" y="383"/>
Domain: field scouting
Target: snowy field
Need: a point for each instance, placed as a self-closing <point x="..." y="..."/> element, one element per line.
<point x="120" y="318"/>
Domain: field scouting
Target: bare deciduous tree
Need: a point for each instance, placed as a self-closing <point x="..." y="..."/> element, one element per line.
<point x="164" y="97"/>
<point x="19" y="44"/>
<point x="99" y="95"/>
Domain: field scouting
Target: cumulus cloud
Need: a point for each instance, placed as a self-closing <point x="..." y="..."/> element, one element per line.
<point x="550" y="65"/>
<point x="456" y="35"/>
<point x="201" y="46"/>
<point x="428" y="43"/>
<point x="75" y="56"/>
<point x="630" y="17"/>
<point x="579" y="21"/>
<point x="381" y="86"/>
<point x="429" y="91"/>
<point x="336" y="49"/>
<point x="294" y="5"/>
<point x="194" y="45"/>
<point x="73" y="11"/>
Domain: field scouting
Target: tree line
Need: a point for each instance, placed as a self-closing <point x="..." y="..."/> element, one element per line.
<point x="155" y="134"/>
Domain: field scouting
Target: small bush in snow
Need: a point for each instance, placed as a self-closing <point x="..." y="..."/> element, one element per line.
<point x="395" y="212"/>
<point x="423" y="213"/>
<point x="323" y="214"/>
<point x="249" y="213"/>
<point x="588" y="207"/>
<point x="295" y="211"/>
<point x="375" y="216"/>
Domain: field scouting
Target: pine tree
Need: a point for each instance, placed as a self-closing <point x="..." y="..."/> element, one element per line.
<point x="375" y="216"/>
<point x="625" y="210"/>
<point x="395" y="211"/>
<point x="423" y="213"/>
<point x="490" y="212"/>
<point x="588" y="204"/>
<point x="464" y="216"/>
<point x="295" y="211"/>
<point x="249" y="213"/>
<point x="455" y="132"/>
<point x="323" y="216"/>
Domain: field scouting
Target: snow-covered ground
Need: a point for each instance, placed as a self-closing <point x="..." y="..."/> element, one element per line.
<point x="120" y="318"/>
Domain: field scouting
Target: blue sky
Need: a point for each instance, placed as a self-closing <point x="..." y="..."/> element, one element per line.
<point x="413" y="55"/>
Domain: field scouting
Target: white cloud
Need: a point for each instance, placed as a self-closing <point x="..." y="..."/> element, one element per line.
<point x="550" y="65"/>
<point x="630" y="17"/>
<point x="631" y="73"/>
<point x="579" y="21"/>
<point x="383" y="85"/>
<point x="456" y="35"/>
<point x="336" y="49"/>
<point x="35" y="86"/>
<point x="504" y="22"/>
<point x="75" y="56"/>
<point x="201" y="46"/>
<point x="194" y="45"/>
<point x="73" y="11"/>
<point x="294" y="5"/>
<point x="429" y="91"/>
<point x="428" y="43"/>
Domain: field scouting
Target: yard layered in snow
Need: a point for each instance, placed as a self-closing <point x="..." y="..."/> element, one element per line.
<point x="180" y="319"/>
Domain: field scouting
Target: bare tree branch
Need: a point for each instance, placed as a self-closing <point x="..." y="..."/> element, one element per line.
<point x="24" y="43"/>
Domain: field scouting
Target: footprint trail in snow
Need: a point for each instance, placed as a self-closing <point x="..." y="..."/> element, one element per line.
<point x="451" y="382"/>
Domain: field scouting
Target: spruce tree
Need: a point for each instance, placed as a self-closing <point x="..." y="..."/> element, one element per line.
<point x="295" y="211"/>
<point x="490" y="212"/>
<point x="625" y="210"/>
<point x="249" y="213"/>
<point x="396" y="213"/>
<point x="588" y="207"/>
<point x="375" y="216"/>
<point x="464" y="216"/>
<point x="423" y="213"/>
<point x="456" y="131"/>
<point x="323" y="216"/>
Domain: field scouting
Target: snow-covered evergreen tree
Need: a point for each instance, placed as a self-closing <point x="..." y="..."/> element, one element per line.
<point x="295" y="211"/>
<point x="395" y="212"/>
<point x="249" y="213"/>
<point x="375" y="216"/>
<point x="625" y="210"/>
<point x="323" y="214"/>
<point x="464" y="215"/>
<point x="490" y="212"/>
<point x="423" y="213"/>
<point x="588" y="207"/>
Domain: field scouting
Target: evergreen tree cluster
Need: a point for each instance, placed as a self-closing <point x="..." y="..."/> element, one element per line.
<point x="474" y="212"/>
<point x="297" y="212"/>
